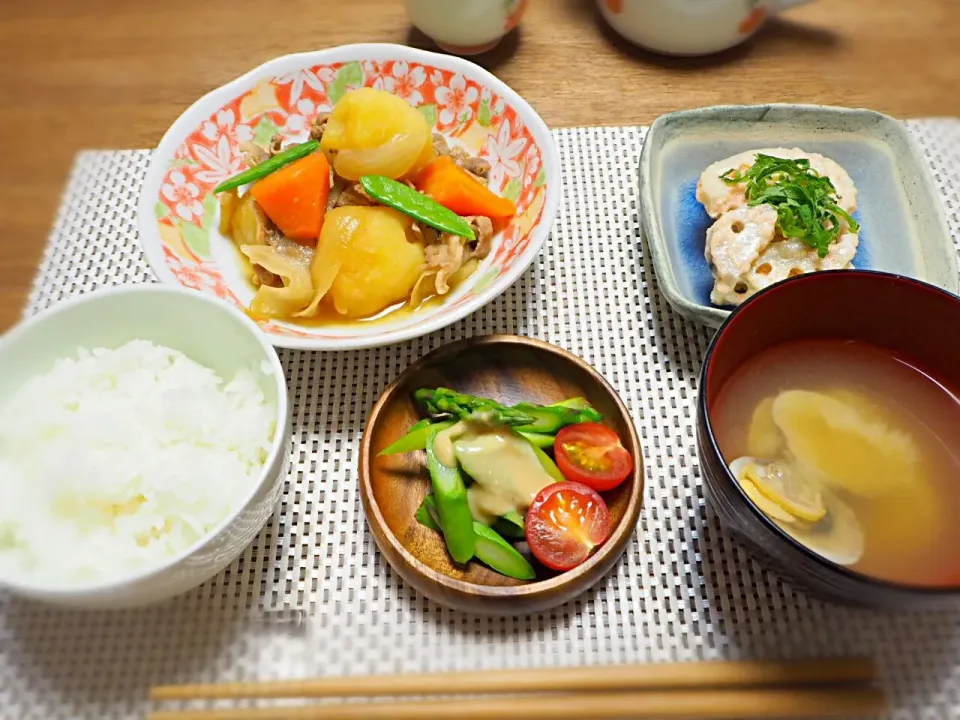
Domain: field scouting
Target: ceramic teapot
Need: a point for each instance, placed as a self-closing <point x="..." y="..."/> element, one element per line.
<point x="689" y="27"/>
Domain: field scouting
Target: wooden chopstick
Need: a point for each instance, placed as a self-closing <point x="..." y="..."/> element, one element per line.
<point x="704" y="704"/>
<point x="607" y="678"/>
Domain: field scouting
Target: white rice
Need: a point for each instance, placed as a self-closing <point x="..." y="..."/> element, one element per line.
<point x="118" y="460"/>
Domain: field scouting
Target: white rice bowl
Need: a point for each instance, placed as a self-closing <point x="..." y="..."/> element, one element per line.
<point x="117" y="461"/>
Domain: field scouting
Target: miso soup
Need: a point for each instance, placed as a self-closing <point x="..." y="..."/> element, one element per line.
<point x="853" y="452"/>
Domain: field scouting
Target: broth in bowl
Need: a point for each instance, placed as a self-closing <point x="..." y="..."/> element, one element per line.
<point x="850" y="450"/>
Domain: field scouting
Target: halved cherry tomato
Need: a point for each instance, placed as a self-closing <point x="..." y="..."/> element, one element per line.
<point x="591" y="453"/>
<point x="565" y="523"/>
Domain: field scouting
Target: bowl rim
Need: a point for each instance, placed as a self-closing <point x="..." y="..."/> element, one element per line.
<point x="610" y="551"/>
<point x="216" y="98"/>
<point x="277" y="447"/>
<point x="715" y="315"/>
<point x="857" y="275"/>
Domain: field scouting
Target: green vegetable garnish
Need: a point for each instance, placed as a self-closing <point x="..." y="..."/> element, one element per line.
<point x="805" y="201"/>
<point x="416" y="437"/>
<point x="427" y="514"/>
<point x="441" y="403"/>
<point x="490" y="548"/>
<point x="497" y="553"/>
<point x="510" y="525"/>
<point x="453" y="510"/>
<point x="415" y="204"/>
<point x="258" y="172"/>
<point x="541" y="440"/>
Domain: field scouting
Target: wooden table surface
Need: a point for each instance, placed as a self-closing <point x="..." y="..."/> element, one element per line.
<point x="115" y="73"/>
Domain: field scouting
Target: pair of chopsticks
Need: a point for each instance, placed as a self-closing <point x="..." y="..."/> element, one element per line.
<point x="737" y="690"/>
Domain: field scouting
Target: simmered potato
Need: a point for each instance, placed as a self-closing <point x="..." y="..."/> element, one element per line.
<point x="372" y="132"/>
<point x="381" y="263"/>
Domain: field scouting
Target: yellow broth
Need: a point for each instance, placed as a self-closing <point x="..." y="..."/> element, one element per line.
<point x="910" y="535"/>
<point x="327" y="316"/>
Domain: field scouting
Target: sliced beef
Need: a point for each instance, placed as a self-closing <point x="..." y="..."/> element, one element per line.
<point x="483" y="229"/>
<point x="478" y="167"/>
<point x="444" y="258"/>
<point x="343" y="192"/>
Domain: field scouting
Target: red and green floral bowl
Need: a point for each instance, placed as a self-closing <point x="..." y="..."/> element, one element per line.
<point x="178" y="216"/>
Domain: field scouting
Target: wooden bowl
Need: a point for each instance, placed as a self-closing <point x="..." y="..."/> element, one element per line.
<point x="510" y="369"/>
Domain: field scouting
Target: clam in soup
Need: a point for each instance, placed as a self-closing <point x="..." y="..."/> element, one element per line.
<point x="852" y="452"/>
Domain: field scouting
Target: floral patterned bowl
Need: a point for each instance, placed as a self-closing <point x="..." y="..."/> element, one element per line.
<point x="178" y="214"/>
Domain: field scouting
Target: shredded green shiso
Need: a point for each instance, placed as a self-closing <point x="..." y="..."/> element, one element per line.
<point x="805" y="201"/>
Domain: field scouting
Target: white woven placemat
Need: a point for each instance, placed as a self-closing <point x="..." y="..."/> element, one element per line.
<point x="312" y="596"/>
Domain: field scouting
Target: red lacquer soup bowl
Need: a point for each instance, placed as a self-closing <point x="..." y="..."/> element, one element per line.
<point x="915" y="321"/>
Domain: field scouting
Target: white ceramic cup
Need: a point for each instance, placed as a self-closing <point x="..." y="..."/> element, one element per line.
<point x="465" y="27"/>
<point x="689" y="27"/>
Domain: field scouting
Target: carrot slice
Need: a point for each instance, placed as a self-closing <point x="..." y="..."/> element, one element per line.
<point x="295" y="197"/>
<point x="457" y="190"/>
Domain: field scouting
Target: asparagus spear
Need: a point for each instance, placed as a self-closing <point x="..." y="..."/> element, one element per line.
<point x="510" y="526"/>
<point x="416" y="437"/>
<point x="497" y="553"/>
<point x="490" y="548"/>
<point x="541" y="440"/>
<point x="548" y="465"/>
<point x="450" y="493"/>
<point x="427" y="514"/>
<point x="524" y="417"/>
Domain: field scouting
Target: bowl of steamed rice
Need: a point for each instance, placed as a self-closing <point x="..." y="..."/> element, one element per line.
<point x="142" y="442"/>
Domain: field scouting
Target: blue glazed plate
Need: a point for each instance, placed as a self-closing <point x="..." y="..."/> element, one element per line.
<point x="903" y="227"/>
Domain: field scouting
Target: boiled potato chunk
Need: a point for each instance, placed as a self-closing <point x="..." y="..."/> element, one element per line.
<point x="373" y="132"/>
<point x="381" y="266"/>
<point x="848" y="449"/>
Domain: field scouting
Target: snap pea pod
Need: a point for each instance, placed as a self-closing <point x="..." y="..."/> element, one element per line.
<point x="260" y="171"/>
<point x="416" y="437"/>
<point x="450" y="493"/>
<point x="415" y="204"/>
